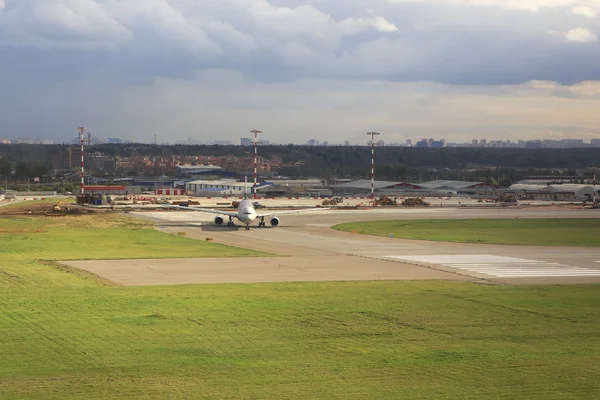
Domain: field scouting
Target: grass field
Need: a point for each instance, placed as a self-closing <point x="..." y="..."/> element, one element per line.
<point x="362" y="340"/>
<point x="577" y="232"/>
<point x="32" y="203"/>
<point x="24" y="241"/>
<point x="63" y="336"/>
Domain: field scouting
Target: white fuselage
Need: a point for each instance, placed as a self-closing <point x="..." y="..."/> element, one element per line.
<point x="246" y="212"/>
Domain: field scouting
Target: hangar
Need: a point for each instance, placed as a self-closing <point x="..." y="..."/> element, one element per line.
<point x="363" y="186"/>
<point x="458" y="187"/>
<point x="406" y="188"/>
<point x="565" y="191"/>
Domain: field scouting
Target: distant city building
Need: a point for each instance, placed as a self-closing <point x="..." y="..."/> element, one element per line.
<point x="245" y="142"/>
<point x="312" y="142"/>
<point x="422" y="143"/>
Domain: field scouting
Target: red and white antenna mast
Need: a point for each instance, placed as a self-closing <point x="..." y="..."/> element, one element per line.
<point x="256" y="132"/>
<point x="81" y="140"/>
<point x="373" y="134"/>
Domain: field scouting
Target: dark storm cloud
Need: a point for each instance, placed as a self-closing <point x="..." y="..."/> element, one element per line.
<point x="440" y="41"/>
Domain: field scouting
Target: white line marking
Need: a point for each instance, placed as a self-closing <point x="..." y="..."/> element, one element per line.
<point x="505" y="267"/>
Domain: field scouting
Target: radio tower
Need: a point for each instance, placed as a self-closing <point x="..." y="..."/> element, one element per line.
<point x="256" y="132"/>
<point x="81" y="139"/>
<point x="373" y="134"/>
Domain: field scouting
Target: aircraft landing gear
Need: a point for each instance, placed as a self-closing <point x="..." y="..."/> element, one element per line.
<point x="230" y="223"/>
<point x="247" y="227"/>
<point x="262" y="222"/>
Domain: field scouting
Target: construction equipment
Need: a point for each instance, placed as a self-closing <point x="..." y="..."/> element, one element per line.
<point x="414" y="202"/>
<point x="506" y="198"/>
<point x="332" y="202"/>
<point x="385" y="201"/>
<point x="60" y="208"/>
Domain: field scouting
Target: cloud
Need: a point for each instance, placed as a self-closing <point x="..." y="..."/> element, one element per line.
<point x="297" y="67"/>
<point x="530" y="5"/>
<point x="581" y="35"/>
<point x="585" y="11"/>
<point x="446" y="41"/>
<point x="73" y="24"/>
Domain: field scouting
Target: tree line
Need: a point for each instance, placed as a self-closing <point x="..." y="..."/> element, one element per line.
<point x="502" y="166"/>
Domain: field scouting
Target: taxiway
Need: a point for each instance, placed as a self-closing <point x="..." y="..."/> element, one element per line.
<point x="309" y="250"/>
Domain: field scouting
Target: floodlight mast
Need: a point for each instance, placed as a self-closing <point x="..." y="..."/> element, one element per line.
<point x="594" y="187"/>
<point x="256" y="132"/>
<point x="81" y="133"/>
<point x="373" y="134"/>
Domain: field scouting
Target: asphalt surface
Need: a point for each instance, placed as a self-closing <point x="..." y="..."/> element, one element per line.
<point x="309" y="250"/>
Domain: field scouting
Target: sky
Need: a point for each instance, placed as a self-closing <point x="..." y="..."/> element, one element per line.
<point x="300" y="69"/>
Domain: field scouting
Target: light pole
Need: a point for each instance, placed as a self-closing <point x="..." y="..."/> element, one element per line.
<point x="81" y="132"/>
<point x="256" y="132"/>
<point x="594" y="186"/>
<point x="373" y="134"/>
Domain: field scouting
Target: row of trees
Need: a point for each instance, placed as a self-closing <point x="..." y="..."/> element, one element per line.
<point x="503" y="166"/>
<point x="22" y="170"/>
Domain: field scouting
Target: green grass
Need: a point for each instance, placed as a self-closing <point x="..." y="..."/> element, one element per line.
<point x="361" y="340"/>
<point x="30" y="203"/>
<point x="66" y="337"/>
<point x="90" y="237"/>
<point x="533" y="232"/>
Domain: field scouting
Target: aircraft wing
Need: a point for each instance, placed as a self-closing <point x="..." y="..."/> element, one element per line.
<point x="275" y="213"/>
<point x="207" y="210"/>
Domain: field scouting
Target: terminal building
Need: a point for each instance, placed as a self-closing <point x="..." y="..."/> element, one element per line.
<point x="226" y="187"/>
<point x="266" y="188"/>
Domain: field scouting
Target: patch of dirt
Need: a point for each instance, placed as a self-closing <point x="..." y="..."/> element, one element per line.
<point x="11" y="231"/>
<point x="25" y="208"/>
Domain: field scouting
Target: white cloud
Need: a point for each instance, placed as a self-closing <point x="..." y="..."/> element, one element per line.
<point x="585" y="11"/>
<point x="80" y="24"/>
<point x="581" y="35"/>
<point x="530" y="5"/>
<point x="297" y="66"/>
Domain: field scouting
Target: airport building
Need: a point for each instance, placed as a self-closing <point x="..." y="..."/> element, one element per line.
<point x="559" y="192"/>
<point x="203" y="171"/>
<point x="268" y="188"/>
<point x="389" y="188"/>
<point x="229" y="187"/>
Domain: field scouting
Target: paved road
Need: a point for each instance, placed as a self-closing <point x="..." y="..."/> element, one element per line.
<point x="303" y="234"/>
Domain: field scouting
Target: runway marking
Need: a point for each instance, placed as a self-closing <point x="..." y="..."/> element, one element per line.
<point x="502" y="267"/>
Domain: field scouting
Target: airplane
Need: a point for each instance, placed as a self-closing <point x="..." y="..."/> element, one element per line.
<point x="246" y="213"/>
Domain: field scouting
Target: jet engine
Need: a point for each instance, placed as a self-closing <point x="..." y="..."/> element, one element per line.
<point x="218" y="220"/>
<point x="274" y="221"/>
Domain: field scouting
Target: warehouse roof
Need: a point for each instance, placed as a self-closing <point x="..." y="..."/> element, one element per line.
<point x="295" y="182"/>
<point x="565" y="187"/>
<point x="366" y="184"/>
<point x="449" y="185"/>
